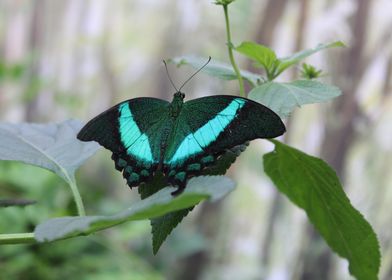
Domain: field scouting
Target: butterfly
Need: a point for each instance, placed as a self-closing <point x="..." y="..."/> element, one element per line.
<point x="178" y="139"/>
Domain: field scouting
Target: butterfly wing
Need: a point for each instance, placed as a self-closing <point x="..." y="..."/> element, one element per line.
<point x="133" y="130"/>
<point x="208" y="126"/>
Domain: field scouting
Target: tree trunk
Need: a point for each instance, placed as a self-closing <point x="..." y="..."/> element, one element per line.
<point x="339" y="134"/>
<point x="35" y="43"/>
<point x="278" y="202"/>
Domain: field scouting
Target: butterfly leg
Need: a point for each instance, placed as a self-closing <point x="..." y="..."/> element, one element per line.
<point x="179" y="190"/>
<point x="179" y="180"/>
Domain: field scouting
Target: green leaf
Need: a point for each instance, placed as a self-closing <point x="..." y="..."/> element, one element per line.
<point x="223" y="2"/>
<point x="158" y="204"/>
<point x="282" y="98"/>
<point x="288" y="61"/>
<point x="274" y="66"/>
<point x="310" y="72"/>
<point x="313" y="186"/>
<point x="163" y="226"/>
<point x="263" y="55"/>
<point x="16" y="202"/>
<point x="157" y="183"/>
<point x="215" y="68"/>
<point x="50" y="146"/>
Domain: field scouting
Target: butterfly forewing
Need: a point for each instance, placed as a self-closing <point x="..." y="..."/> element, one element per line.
<point x="213" y="123"/>
<point x="133" y="130"/>
<point x="207" y="127"/>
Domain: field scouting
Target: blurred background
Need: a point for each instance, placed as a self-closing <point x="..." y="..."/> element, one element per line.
<point x="73" y="59"/>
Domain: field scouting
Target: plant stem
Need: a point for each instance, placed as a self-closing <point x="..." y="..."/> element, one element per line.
<point x="17" y="238"/>
<point x="77" y="197"/>
<point x="231" y="56"/>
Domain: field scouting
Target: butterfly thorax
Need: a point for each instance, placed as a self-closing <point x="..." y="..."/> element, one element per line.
<point x="176" y="104"/>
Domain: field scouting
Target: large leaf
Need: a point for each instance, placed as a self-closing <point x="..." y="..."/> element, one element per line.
<point x="312" y="185"/>
<point x="158" y="204"/>
<point x="51" y="146"/>
<point x="282" y="98"/>
<point x="215" y="68"/>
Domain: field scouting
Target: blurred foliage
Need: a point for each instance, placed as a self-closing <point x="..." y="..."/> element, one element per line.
<point x="105" y="255"/>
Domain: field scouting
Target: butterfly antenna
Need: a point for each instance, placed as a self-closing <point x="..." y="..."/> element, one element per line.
<point x="194" y="74"/>
<point x="168" y="75"/>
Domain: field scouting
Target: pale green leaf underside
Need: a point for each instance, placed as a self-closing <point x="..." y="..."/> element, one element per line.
<point x="158" y="204"/>
<point x="215" y="68"/>
<point x="282" y="98"/>
<point x="312" y="185"/>
<point x="52" y="146"/>
<point x="288" y="61"/>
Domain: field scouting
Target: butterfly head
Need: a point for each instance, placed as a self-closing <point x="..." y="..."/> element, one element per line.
<point x="176" y="104"/>
<point x="178" y="96"/>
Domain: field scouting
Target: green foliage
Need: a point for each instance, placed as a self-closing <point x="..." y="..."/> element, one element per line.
<point x="283" y="98"/>
<point x="11" y="71"/>
<point x="262" y="55"/>
<point x="223" y="2"/>
<point x="158" y="204"/>
<point x="162" y="226"/>
<point x="273" y="66"/>
<point x="16" y="202"/>
<point x="313" y="186"/>
<point x="50" y="146"/>
<point x="310" y="72"/>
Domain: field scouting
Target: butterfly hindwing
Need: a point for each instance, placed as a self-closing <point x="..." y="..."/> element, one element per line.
<point x="132" y="130"/>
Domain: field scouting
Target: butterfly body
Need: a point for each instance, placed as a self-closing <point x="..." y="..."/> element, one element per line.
<point x="179" y="139"/>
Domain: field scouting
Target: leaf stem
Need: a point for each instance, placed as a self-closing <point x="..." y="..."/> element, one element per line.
<point x="17" y="238"/>
<point x="231" y="56"/>
<point x="76" y="196"/>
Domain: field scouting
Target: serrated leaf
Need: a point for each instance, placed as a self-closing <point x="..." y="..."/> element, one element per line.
<point x="286" y="62"/>
<point x="313" y="186"/>
<point x="157" y="183"/>
<point x="50" y="146"/>
<point x="162" y="226"/>
<point x="158" y="204"/>
<point x="282" y="98"/>
<point x="263" y="55"/>
<point x="215" y="68"/>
